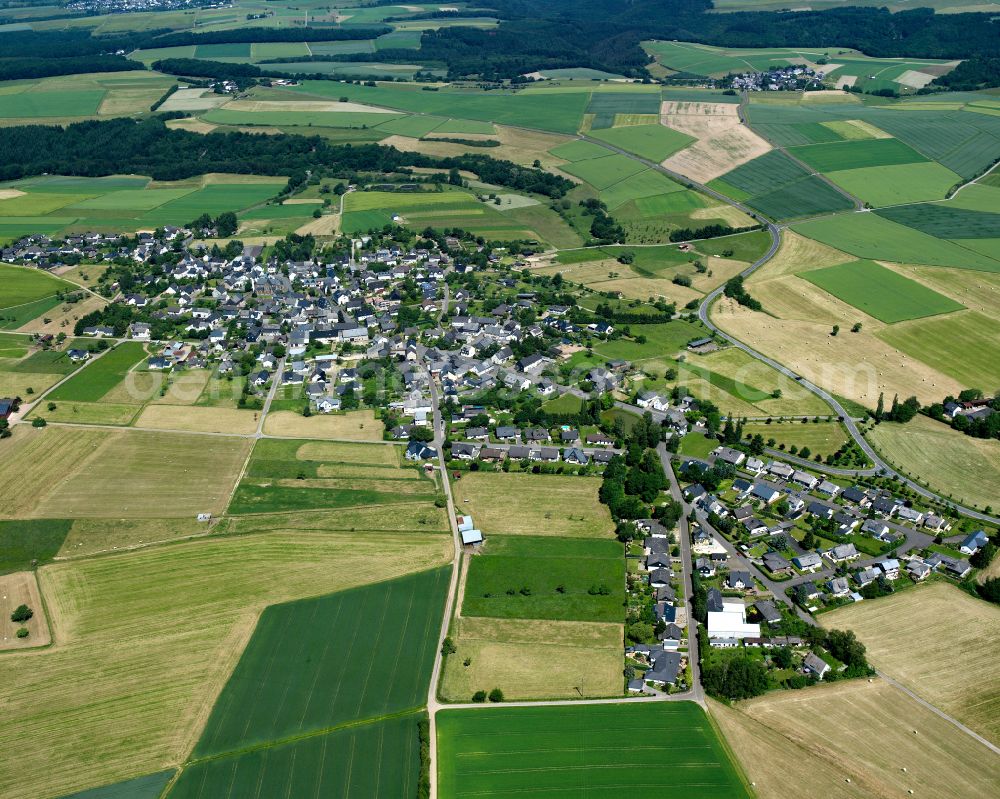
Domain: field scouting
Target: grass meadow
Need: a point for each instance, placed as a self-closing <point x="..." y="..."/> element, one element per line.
<point x="96" y="379"/>
<point x="570" y="749"/>
<point x="25" y="294"/>
<point x="546" y="577"/>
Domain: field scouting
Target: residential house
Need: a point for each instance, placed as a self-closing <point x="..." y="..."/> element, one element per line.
<point x="815" y="665"/>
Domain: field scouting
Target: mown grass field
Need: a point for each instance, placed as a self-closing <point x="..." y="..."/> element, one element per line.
<point x="169" y="623"/>
<point x="359" y="654"/>
<point x="823" y="438"/>
<point x="880" y="292"/>
<point x="940" y="643"/>
<point x="548" y="750"/>
<point x="788" y="736"/>
<point x="927" y="450"/>
<point x="373" y="761"/>
<point x="290" y="474"/>
<point x="546" y="577"/>
<point x="552" y="505"/>
<point x="898" y="183"/>
<point x="26" y="293"/>
<point x="531" y="659"/>
<point x="933" y="342"/>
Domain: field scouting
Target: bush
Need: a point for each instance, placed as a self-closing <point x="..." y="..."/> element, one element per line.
<point x="479" y="696"/>
<point x="22" y="632"/>
<point x="496" y="695"/>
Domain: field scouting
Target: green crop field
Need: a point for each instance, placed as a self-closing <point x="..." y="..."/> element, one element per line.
<point x="654" y="142"/>
<point x="50" y="104"/>
<point x="372" y="761"/>
<point x="148" y="787"/>
<point x="26" y="293"/>
<point x="465" y="126"/>
<point x="315" y="664"/>
<point x="780" y="188"/>
<point x="945" y="221"/>
<point x="901" y="183"/>
<point x="565" y="579"/>
<point x="857" y="154"/>
<point x="559" y="112"/>
<point x="415" y="126"/>
<point x="880" y="292"/>
<point x="579" y="150"/>
<point x="124" y="204"/>
<point x="286" y="475"/>
<point x="505" y="753"/>
<point x="25" y="540"/>
<point x="602" y="173"/>
<point x="868" y="235"/>
<point x="98" y="378"/>
<point x="296" y="118"/>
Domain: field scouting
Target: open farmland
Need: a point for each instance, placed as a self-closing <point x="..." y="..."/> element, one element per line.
<point x="546" y="577"/>
<point x="531" y="659"/>
<point x="26" y="293"/>
<point x="72" y="98"/>
<point x="927" y="451"/>
<point x="169" y="623"/>
<point x="871" y="236"/>
<point x="654" y="142"/>
<point x="780" y="188"/>
<point x="721" y="144"/>
<point x="59" y="204"/>
<point x="880" y="292"/>
<point x="552" y="505"/>
<point x="98" y="378"/>
<point x="359" y="654"/>
<point x="534" y="751"/>
<point x="940" y="643"/>
<point x="287" y="474"/>
<point x="810" y="738"/>
<point x="371" y="761"/>
<point x="97" y="473"/>
<point x="16" y="589"/>
<point x="822" y="438"/>
<point x="351" y="426"/>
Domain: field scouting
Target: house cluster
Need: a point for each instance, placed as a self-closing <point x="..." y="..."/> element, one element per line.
<point x="664" y="662"/>
<point x="494" y="443"/>
<point x="776" y="79"/>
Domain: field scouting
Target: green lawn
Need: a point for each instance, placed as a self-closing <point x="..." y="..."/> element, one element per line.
<point x="558" y="574"/>
<point x="697" y="445"/>
<point x="599" y="751"/>
<point x="315" y="664"/>
<point x="880" y="292"/>
<point x="98" y="378"/>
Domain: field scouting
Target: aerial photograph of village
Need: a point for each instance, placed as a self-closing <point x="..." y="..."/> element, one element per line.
<point x="507" y="399"/>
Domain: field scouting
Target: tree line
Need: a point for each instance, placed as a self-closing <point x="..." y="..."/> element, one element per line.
<point x="149" y="147"/>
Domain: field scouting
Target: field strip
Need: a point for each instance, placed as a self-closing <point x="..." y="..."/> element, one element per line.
<point x="347" y="725"/>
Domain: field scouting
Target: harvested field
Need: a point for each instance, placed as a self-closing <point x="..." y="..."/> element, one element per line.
<point x="110" y="413"/>
<point x="927" y="450"/>
<point x="722" y="143"/>
<point x="853" y="365"/>
<point x="63" y="316"/>
<point x="797" y="254"/>
<point x="773" y="761"/>
<point x="198" y="419"/>
<point x="113" y="474"/>
<point x="21" y="588"/>
<point x="350" y="426"/>
<point x="940" y="643"/>
<point x="888" y="760"/>
<point x="530" y="659"/>
<point x="131" y="679"/>
<point x="382" y="455"/>
<point x="547" y="504"/>
<point x="92" y="536"/>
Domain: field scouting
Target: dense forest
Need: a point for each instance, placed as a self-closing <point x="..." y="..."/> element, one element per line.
<point x="149" y="147"/>
<point x="45" y="67"/>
